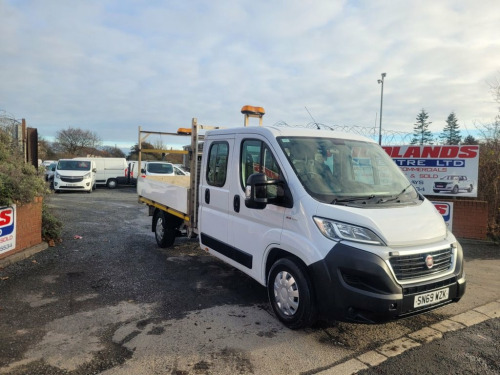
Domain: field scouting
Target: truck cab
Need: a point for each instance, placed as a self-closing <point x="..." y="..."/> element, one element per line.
<point x="325" y="221"/>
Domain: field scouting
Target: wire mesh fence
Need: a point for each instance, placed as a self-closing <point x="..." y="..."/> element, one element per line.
<point x="389" y="137"/>
<point x="12" y="129"/>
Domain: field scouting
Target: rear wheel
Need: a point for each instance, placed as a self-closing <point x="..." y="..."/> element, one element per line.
<point x="111" y="184"/>
<point x="290" y="294"/>
<point x="470" y="189"/>
<point x="165" y="227"/>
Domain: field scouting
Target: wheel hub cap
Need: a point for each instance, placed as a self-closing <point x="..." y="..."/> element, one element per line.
<point x="286" y="293"/>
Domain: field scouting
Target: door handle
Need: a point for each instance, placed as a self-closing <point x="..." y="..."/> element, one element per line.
<point x="207" y="196"/>
<point x="236" y="203"/>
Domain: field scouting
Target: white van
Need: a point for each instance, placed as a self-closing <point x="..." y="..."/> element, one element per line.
<point x="110" y="171"/>
<point x="75" y="174"/>
<point x="325" y="221"/>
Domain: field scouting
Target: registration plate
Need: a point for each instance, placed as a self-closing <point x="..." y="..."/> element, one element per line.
<point x="431" y="297"/>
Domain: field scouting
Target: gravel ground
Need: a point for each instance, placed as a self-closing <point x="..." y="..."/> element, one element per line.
<point x="108" y="300"/>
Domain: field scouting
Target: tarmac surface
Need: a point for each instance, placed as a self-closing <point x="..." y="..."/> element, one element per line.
<point x="107" y="300"/>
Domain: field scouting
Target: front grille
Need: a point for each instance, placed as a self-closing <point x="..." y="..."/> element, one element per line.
<point x="407" y="267"/>
<point x="71" y="179"/>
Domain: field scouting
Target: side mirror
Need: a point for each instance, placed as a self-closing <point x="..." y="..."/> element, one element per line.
<point x="94" y="170"/>
<point x="256" y="191"/>
<point x="143" y="170"/>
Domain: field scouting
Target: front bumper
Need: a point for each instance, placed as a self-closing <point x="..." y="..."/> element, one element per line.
<point x="355" y="285"/>
<point x="79" y="186"/>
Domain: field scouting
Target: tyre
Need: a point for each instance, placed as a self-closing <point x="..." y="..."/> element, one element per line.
<point x="455" y="189"/>
<point x="90" y="190"/>
<point x="469" y="190"/>
<point x="111" y="184"/>
<point x="165" y="227"/>
<point x="290" y="294"/>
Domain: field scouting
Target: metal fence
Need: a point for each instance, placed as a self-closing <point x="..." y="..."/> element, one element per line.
<point x="389" y="137"/>
<point x="13" y="128"/>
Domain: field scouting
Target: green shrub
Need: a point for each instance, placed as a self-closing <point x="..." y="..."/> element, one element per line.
<point x="20" y="183"/>
<point x="51" y="225"/>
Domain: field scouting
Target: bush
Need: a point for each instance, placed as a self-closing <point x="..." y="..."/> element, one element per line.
<point x="51" y="225"/>
<point x="20" y="183"/>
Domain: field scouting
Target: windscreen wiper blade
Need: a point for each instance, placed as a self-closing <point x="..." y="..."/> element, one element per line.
<point x="397" y="196"/>
<point x="352" y="199"/>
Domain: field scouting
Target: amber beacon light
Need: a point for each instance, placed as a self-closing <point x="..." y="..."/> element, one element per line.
<point x="251" y="111"/>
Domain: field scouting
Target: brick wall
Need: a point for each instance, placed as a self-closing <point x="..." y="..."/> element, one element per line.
<point x="28" y="226"/>
<point x="470" y="218"/>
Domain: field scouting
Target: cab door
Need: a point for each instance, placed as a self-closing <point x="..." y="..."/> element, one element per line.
<point x="214" y="196"/>
<point x="253" y="231"/>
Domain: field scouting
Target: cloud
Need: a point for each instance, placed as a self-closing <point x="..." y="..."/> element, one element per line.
<point x="114" y="65"/>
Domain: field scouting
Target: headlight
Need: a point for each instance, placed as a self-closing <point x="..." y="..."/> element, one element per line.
<point x="336" y="230"/>
<point x="58" y="175"/>
<point x="86" y="175"/>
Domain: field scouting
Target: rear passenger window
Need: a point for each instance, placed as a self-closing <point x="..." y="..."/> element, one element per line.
<point x="217" y="164"/>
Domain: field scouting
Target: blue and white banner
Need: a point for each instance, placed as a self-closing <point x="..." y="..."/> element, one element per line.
<point x="7" y="228"/>
<point x="439" y="170"/>
<point x="446" y="210"/>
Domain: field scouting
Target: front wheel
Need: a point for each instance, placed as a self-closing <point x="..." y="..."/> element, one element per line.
<point x="455" y="189"/>
<point x="290" y="294"/>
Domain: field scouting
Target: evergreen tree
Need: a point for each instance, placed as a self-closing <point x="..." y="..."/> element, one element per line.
<point x="470" y="140"/>
<point x="451" y="133"/>
<point x="421" y="133"/>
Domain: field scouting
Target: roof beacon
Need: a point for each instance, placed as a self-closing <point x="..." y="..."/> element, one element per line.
<point x="251" y="111"/>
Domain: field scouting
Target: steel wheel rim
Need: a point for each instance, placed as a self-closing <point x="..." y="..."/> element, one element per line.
<point x="159" y="229"/>
<point x="286" y="293"/>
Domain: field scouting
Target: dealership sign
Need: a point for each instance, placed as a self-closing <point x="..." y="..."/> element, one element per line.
<point x="7" y="228"/>
<point x="446" y="210"/>
<point x="439" y="170"/>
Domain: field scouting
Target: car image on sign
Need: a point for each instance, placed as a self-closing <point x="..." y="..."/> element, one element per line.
<point x="453" y="184"/>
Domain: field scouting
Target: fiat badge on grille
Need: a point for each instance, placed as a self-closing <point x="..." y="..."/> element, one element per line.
<point x="429" y="261"/>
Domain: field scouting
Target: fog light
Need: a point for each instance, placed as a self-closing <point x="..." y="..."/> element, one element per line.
<point x="393" y="306"/>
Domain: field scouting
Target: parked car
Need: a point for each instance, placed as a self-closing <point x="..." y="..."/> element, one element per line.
<point x="49" y="171"/>
<point x="46" y="163"/>
<point x="161" y="168"/>
<point x="453" y="184"/>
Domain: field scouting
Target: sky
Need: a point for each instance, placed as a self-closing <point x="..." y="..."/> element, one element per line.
<point x="112" y="66"/>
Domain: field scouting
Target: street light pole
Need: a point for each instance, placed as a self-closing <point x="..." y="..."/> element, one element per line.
<point x="381" y="81"/>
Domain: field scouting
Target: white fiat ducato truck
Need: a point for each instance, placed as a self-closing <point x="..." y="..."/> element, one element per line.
<point x="325" y="221"/>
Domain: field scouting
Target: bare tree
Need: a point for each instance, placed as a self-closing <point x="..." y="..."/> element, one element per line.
<point x="75" y="141"/>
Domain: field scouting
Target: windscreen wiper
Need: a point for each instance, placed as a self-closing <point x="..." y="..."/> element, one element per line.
<point x="352" y="199"/>
<point x="397" y="196"/>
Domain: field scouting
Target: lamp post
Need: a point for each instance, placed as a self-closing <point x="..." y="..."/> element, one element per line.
<point x="381" y="81"/>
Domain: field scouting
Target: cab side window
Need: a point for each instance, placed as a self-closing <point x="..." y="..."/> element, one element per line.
<point x="217" y="164"/>
<point x="256" y="157"/>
